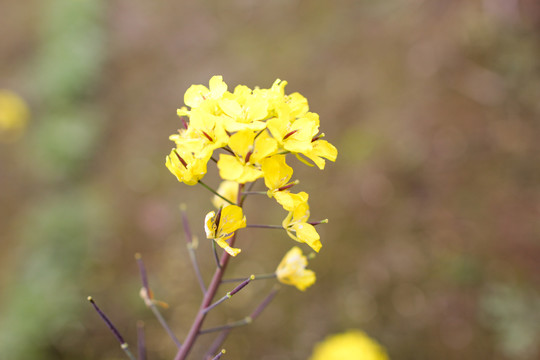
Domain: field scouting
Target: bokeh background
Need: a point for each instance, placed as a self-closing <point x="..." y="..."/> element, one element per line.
<point x="433" y="242"/>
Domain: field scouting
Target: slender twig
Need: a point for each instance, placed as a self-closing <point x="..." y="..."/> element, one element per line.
<point x="254" y="193"/>
<point x="264" y="226"/>
<point x="123" y="344"/>
<point x="141" y="343"/>
<point x="220" y="339"/>
<point x="255" y="277"/>
<point x="146" y="294"/>
<point x="216" y="257"/>
<point x="219" y="355"/>
<point x="216" y="193"/>
<point x="247" y="320"/>
<point x="244" y="321"/>
<point x="259" y="309"/>
<point x="191" y="248"/>
<point x="230" y="294"/>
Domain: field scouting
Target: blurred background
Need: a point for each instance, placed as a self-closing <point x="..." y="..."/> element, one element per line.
<point x="433" y="242"/>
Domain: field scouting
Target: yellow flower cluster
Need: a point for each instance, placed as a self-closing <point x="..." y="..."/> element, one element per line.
<point x="253" y="130"/>
<point x="351" y="345"/>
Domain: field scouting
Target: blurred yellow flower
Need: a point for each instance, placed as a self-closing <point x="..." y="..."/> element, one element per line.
<point x="351" y="345"/>
<point x="292" y="270"/>
<point x="221" y="226"/>
<point x="14" y="114"/>
<point x="227" y="189"/>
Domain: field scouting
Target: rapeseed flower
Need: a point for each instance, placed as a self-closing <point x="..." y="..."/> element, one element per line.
<point x="249" y="149"/>
<point x="276" y="174"/>
<point x="221" y="226"/>
<point x="351" y="345"/>
<point x="292" y="270"/>
<point x="187" y="167"/>
<point x="299" y="229"/>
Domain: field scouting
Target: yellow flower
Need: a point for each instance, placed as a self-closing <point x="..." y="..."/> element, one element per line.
<point x="221" y="226"/>
<point x="297" y="226"/>
<point x="207" y="128"/>
<point x="14" y="115"/>
<point x="187" y="167"/>
<point x="243" y="110"/>
<point x="321" y="149"/>
<point x="227" y="189"/>
<point x="249" y="150"/>
<point x="276" y="173"/>
<point x="295" y="136"/>
<point x="351" y="345"/>
<point x="291" y="201"/>
<point x="292" y="270"/>
<point x="197" y="94"/>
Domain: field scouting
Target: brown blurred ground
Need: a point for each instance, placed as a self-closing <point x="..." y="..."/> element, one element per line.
<point x="433" y="242"/>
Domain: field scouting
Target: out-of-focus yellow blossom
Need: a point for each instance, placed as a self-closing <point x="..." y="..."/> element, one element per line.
<point x="14" y="114"/>
<point x="292" y="270"/>
<point x="249" y="150"/>
<point x="276" y="173"/>
<point x="221" y="226"/>
<point x="351" y="345"/>
<point x="298" y="228"/>
<point x="227" y="189"/>
<point x="185" y="166"/>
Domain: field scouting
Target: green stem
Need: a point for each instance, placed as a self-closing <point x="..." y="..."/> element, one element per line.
<point x="216" y="193"/>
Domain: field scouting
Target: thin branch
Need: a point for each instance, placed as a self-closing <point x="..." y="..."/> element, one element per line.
<point x="256" y="277"/>
<point x="216" y="193"/>
<point x="141" y="343"/>
<point x="261" y="226"/>
<point x="254" y="193"/>
<point x="123" y="344"/>
<point x="229" y="294"/>
<point x="146" y="294"/>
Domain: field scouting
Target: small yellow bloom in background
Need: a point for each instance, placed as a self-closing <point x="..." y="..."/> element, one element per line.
<point x="292" y="270"/>
<point x="351" y="345"/>
<point x="221" y="226"/>
<point x="227" y="189"/>
<point x="298" y="228"/>
<point x="14" y="114"/>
